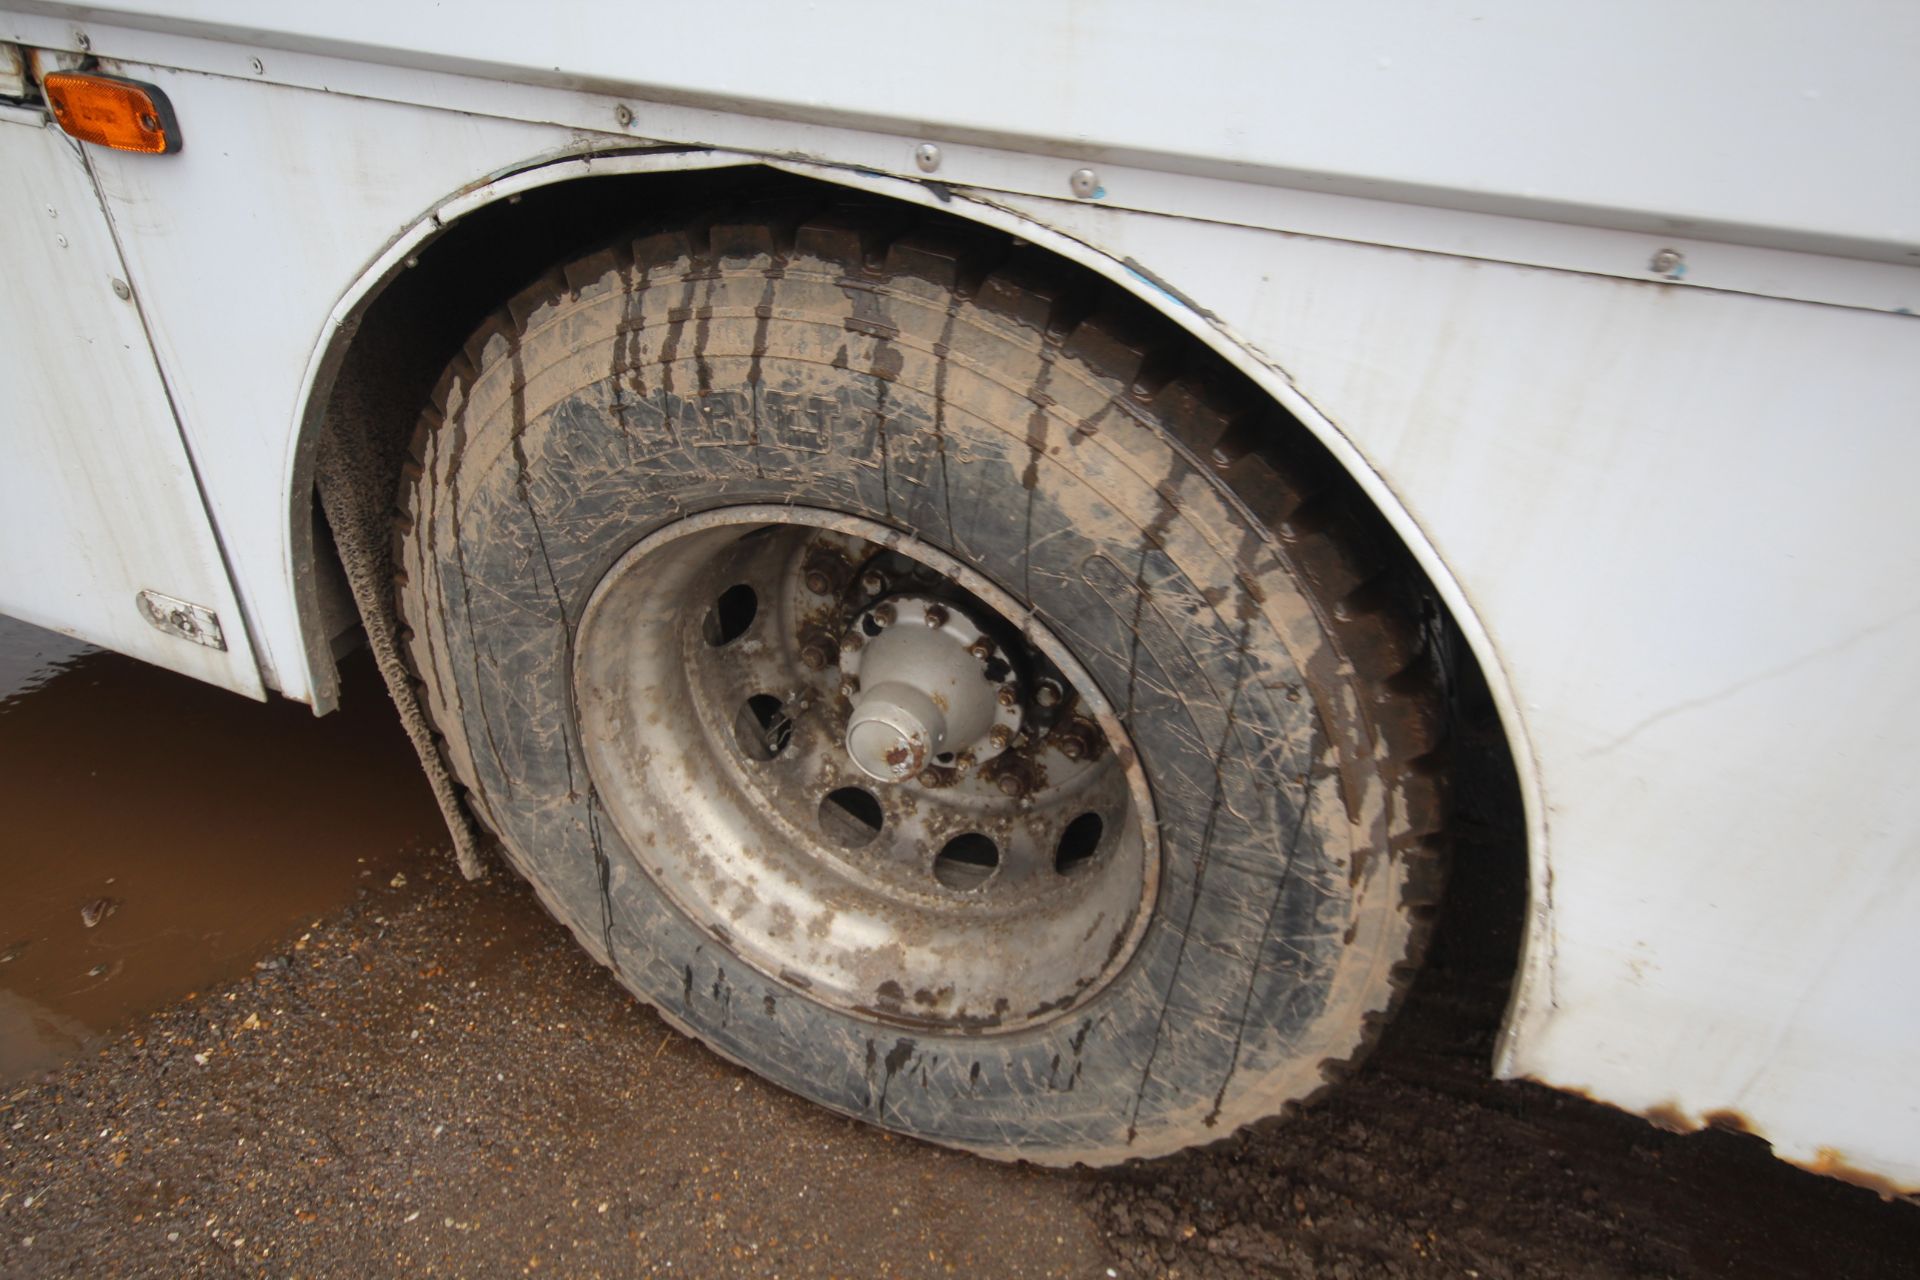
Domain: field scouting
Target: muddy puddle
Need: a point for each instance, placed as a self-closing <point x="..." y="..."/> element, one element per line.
<point x="161" y="835"/>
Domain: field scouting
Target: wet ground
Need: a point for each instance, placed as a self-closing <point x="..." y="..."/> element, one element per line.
<point x="252" y="1023"/>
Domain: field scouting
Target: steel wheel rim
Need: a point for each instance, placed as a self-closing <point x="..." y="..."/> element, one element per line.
<point x="716" y="744"/>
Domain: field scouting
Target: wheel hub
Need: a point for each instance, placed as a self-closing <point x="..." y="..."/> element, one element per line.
<point x="919" y="674"/>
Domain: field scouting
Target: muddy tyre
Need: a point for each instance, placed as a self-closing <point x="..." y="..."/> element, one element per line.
<point x="911" y="673"/>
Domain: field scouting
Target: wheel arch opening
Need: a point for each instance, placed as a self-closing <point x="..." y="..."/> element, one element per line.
<point x="380" y="369"/>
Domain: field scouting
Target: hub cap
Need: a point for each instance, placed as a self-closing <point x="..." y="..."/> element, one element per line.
<point x="864" y="769"/>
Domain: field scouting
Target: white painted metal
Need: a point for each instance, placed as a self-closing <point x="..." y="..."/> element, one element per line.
<point x="13" y="72"/>
<point x="1824" y="148"/>
<point x="97" y="499"/>
<point x="1670" y="517"/>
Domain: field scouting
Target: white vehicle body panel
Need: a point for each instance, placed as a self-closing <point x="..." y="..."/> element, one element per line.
<point x="97" y="497"/>
<point x="1672" y="517"/>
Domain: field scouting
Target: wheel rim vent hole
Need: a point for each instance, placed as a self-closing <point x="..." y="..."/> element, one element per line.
<point x="998" y="670"/>
<point x="762" y="727"/>
<point x="868" y="625"/>
<point x="851" y="816"/>
<point x="1078" y="843"/>
<point x="732" y="613"/>
<point x="966" y="861"/>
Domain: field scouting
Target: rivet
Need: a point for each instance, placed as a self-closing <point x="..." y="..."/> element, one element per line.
<point x="1667" y="262"/>
<point x="52" y="212"/>
<point x="1085" y="183"/>
<point x="623" y="114"/>
<point x="60" y="240"/>
<point x="927" y="156"/>
<point x="259" y="67"/>
<point x="121" y="290"/>
<point x="82" y="39"/>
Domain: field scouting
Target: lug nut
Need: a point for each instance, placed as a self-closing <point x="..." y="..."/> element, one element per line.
<point x="1047" y="694"/>
<point x="1000" y="736"/>
<point x="818" y="582"/>
<point x="814" y="657"/>
<point x="1010" y="785"/>
<point x="872" y="583"/>
<point x="1072" y="748"/>
<point x="936" y="616"/>
<point x="849" y="687"/>
<point x="883" y="616"/>
<point x="980" y="649"/>
<point x="1007" y="697"/>
<point x="851" y="642"/>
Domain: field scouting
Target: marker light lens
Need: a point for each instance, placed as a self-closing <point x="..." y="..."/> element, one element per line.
<point x="122" y="114"/>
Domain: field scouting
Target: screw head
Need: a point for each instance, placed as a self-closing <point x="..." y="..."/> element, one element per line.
<point x="927" y="156"/>
<point x="1084" y="183"/>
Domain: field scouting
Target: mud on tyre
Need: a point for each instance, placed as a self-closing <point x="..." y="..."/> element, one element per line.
<point x="1190" y="630"/>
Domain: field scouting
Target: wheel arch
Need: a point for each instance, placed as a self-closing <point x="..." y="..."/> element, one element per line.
<point x="344" y="465"/>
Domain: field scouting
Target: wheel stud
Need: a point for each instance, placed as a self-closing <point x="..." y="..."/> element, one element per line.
<point x="980" y="649"/>
<point x="851" y="642"/>
<point x="883" y="616"/>
<point x="1007" y="697"/>
<point x="936" y="616"/>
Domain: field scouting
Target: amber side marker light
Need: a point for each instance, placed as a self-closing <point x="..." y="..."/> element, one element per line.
<point x="123" y="114"/>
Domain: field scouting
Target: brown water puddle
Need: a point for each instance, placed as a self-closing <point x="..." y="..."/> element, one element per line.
<point x="160" y="835"/>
